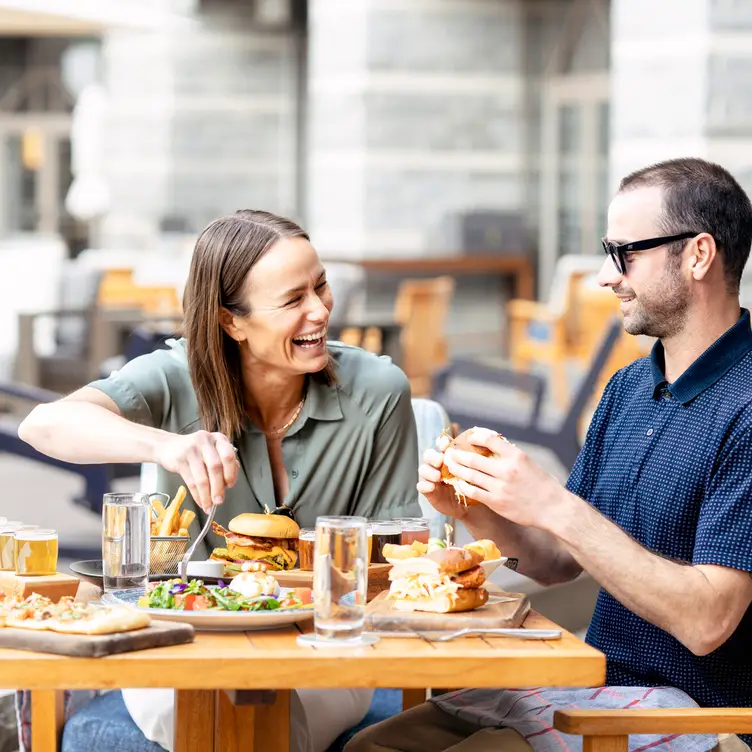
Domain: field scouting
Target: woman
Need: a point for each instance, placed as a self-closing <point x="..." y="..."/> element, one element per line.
<point x="252" y="408"/>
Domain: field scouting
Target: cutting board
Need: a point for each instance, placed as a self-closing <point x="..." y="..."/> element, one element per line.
<point x="378" y="579"/>
<point x="502" y="610"/>
<point x="159" y="634"/>
<point x="54" y="586"/>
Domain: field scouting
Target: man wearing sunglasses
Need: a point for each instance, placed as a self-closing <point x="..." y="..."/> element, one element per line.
<point x="658" y="507"/>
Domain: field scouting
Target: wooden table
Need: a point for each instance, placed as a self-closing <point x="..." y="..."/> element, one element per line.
<point x="207" y="718"/>
<point x="515" y="266"/>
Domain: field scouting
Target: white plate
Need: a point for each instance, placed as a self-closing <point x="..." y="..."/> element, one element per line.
<point x="217" y="621"/>
<point x="489" y="565"/>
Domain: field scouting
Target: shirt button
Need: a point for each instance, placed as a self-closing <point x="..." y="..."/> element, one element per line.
<point x="294" y="473"/>
<point x="650" y="431"/>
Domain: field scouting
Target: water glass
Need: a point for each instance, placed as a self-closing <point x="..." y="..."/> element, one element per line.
<point x="125" y="540"/>
<point x="340" y="577"/>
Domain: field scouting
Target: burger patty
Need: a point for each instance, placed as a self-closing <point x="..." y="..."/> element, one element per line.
<point x="470" y="578"/>
<point x="263" y="544"/>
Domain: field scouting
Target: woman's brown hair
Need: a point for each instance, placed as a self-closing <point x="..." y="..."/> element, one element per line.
<point x="225" y="252"/>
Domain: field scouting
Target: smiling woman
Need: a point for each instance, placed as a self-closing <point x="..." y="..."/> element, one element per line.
<point x="253" y="408"/>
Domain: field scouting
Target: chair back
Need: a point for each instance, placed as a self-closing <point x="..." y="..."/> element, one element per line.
<point x="422" y="308"/>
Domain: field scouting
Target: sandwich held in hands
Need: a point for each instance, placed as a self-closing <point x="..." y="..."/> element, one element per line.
<point x="269" y="539"/>
<point x="461" y="442"/>
<point x="443" y="581"/>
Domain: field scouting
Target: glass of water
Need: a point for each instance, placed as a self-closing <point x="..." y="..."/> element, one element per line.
<point x="340" y="577"/>
<point x="125" y="540"/>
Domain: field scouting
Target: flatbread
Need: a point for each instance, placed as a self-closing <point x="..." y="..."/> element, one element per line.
<point x="36" y="612"/>
<point x="98" y="620"/>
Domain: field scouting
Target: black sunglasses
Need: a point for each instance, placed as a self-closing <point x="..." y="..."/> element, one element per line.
<point x="617" y="252"/>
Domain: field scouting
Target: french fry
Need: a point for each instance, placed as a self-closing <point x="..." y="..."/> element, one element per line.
<point x="158" y="508"/>
<point x="183" y="532"/>
<point x="172" y="513"/>
<point x="186" y="518"/>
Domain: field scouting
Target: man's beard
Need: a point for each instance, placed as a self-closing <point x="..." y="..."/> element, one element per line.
<point x="661" y="310"/>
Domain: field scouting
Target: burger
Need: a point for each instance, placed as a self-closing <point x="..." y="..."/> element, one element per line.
<point x="463" y="442"/>
<point x="443" y="581"/>
<point x="269" y="540"/>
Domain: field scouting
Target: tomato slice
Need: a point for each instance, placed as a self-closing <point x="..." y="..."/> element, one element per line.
<point x="305" y="594"/>
<point x="193" y="602"/>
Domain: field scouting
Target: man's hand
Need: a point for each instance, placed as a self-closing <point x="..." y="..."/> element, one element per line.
<point x="509" y="483"/>
<point x="439" y="495"/>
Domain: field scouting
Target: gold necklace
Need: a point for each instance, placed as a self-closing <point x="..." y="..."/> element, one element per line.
<point x="278" y="431"/>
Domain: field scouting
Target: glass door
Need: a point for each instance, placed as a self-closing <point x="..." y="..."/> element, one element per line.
<point x="574" y="169"/>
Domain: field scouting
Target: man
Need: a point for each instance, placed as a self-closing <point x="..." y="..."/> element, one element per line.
<point x="658" y="508"/>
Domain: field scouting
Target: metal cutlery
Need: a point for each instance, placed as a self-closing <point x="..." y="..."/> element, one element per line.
<point x="183" y="568"/>
<point x="436" y="636"/>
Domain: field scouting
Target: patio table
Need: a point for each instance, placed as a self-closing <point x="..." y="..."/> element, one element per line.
<point x="233" y="689"/>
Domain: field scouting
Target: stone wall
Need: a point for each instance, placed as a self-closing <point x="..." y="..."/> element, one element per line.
<point x="202" y="122"/>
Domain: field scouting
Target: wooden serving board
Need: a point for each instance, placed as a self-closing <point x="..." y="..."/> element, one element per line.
<point x="159" y="634"/>
<point x="378" y="579"/>
<point x="502" y="610"/>
<point x="54" y="586"/>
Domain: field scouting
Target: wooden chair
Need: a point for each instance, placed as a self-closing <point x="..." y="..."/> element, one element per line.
<point x="548" y="333"/>
<point x="509" y="416"/>
<point x="609" y="730"/>
<point x="422" y="308"/>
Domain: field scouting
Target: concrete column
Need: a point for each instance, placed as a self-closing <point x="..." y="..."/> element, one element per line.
<point x="202" y="121"/>
<point x="680" y="84"/>
<point x="415" y="115"/>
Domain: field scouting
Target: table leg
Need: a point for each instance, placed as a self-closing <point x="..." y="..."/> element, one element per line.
<point x="47" y="719"/>
<point x="194" y="720"/>
<point x="271" y="725"/>
<point x="412" y="697"/>
<point x="233" y="730"/>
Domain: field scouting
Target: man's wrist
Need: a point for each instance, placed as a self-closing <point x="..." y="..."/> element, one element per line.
<point x="562" y="513"/>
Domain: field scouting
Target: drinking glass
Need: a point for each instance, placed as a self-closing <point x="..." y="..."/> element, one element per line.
<point x="35" y="551"/>
<point x="7" y="529"/>
<point x="383" y="532"/>
<point x="306" y="545"/>
<point x="340" y="574"/>
<point x="414" y="528"/>
<point x="125" y="540"/>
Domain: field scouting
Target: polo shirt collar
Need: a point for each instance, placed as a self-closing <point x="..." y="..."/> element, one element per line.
<point x="717" y="360"/>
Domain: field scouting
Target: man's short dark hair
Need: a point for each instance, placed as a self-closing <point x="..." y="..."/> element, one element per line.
<point x="700" y="196"/>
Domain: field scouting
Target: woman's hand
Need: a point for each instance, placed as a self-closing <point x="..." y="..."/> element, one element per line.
<point x="439" y="495"/>
<point x="207" y="462"/>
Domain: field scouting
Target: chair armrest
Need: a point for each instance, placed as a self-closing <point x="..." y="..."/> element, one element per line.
<point x="654" y="721"/>
<point x="530" y="309"/>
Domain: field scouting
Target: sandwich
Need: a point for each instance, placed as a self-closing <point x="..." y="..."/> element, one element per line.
<point x="270" y="540"/>
<point x="463" y="442"/>
<point x="443" y="581"/>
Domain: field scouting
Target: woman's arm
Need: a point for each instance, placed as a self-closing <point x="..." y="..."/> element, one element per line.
<point x="87" y="427"/>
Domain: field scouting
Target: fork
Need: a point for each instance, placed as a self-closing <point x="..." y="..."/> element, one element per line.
<point x="183" y="569"/>
<point x="525" y="634"/>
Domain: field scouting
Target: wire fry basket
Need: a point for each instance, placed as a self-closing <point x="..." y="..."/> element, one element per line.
<point x="166" y="552"/>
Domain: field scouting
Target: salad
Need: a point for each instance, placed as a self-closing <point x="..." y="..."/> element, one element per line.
<point x="195" y="596"/>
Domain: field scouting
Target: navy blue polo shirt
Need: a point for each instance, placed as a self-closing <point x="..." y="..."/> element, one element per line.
<point x="671" y="464"/>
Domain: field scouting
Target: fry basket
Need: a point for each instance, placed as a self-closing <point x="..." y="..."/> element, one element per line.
<point x="166" y="553"/>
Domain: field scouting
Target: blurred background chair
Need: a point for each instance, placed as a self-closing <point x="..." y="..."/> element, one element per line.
<point x="549" y="333"/>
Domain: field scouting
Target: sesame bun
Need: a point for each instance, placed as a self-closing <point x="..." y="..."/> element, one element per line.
<point x="264" y="526"/>
<point x="463" y="442"/>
